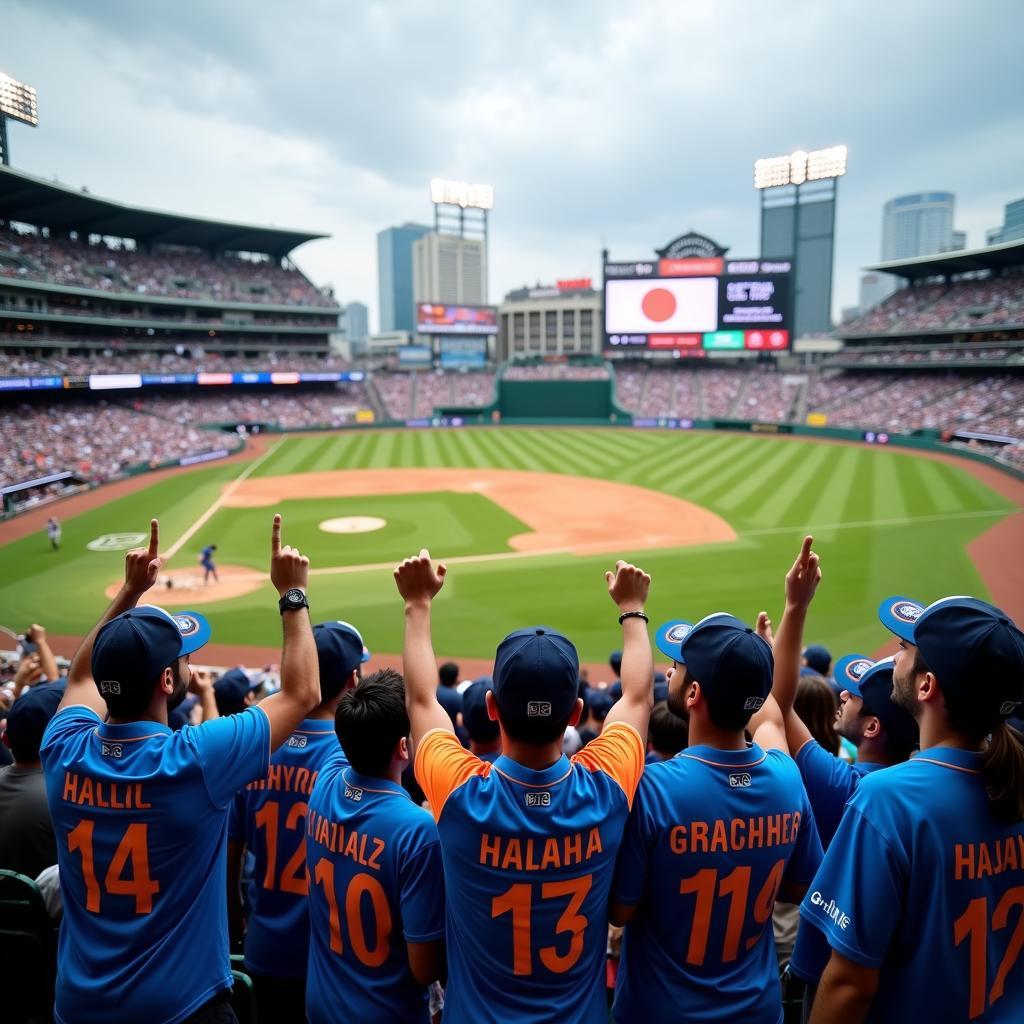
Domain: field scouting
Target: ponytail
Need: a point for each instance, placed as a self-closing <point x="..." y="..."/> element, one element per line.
<point x="1002" y="768"/>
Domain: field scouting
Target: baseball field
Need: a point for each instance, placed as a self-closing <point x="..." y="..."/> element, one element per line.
<point x="528" y="520"/>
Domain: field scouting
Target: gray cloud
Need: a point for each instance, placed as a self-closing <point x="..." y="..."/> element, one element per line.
<point x="596" y="122"/>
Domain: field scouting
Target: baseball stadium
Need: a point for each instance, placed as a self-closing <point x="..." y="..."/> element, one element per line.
<point x="453" y="673"/>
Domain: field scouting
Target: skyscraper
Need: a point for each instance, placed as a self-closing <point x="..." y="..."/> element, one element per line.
<point x="450" y="269"/>
<point x="1013" y="221"/>
<point x="394" y="276"/>
<point x="919" y="224"/>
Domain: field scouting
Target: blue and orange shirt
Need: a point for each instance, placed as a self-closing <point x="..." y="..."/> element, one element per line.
<point x="528" y="860"/>
<point x="269" y="817"/>
<point x="830" y="781"/>
<point x="712" y="837"/>
<point x="924" y="884"/>
<point x="376" y="884"/>
<point x="140" y="815"/>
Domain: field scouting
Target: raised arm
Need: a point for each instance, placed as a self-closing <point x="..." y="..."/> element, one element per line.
<point x="300" y="670"/>
<point x="628" y="587"/>
<point x="141" y="568"/>
<point x="419" y="583"/>
<point x="37" y="635"/>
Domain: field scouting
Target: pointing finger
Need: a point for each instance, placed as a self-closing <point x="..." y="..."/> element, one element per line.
<point x="275" y="536"/>
<point x="154" y="537"/>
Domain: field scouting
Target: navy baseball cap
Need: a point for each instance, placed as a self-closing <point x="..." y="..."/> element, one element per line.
<point x="729" y="660"/>
<point x="669" y="636"/>
<point x="849" y="671"/>
<point x="899" y="615"/>
<point x="536" y="676"/>
<point x="474" y="712"/>
<point x="875" y="687"/>
<point x="819" y="658"/>
<point x="600" y="702"/>
<point x="28" y="718"/>
<point x="133" y="648"/>
<point x="339" y="649"/>
<point x="231" y="690"/>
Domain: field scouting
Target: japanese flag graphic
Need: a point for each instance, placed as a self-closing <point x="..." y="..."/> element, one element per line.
<point x="661" y="305"/>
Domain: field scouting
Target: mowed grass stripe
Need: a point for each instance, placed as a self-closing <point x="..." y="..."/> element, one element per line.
<point x="935" y="480"/>
<point x="791" y="504"/>
<point x="509" y="451"/>
<point x="703" y="474"/>
<point x="833" y="499"/>
<point x="914" y="484"/>
<point x="970" y="491"/>
<point x="751" y="458"/>
<point x="285" y="459"/>
<point x="557" y="455"/>
<point x="485" y="442"/>
<point x="889" y="501"/>
<point x="326" y="454"/>
<point x="466" y="451"/>
<point x="677" y="457"/>
<point x="746" y="496"/>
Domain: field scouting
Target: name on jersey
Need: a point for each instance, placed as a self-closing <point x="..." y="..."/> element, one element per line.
<point x="118" y="796"/>
<point x="513" y="853"/>
<point x="721" y="836"/>
<point x="286" y="778"/>
<point x="980" y="860"/>
<point x="345" y="842"/>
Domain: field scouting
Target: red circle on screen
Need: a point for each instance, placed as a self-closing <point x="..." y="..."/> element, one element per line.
<point x="658" y="304"/>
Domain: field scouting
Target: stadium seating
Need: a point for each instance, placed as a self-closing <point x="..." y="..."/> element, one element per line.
<point x="166" y="271"/>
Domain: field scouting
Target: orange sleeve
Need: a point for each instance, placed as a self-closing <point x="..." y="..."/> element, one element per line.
<point x="619" y="753"/>
<point x="442" y="765"/>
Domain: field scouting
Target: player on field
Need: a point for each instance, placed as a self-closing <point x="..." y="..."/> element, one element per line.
<point x="529" y="841"/>
<point x="921" y="893"/>
<point x="377" y="888"/>
<point x="207" y="563"/>
<point x="717" y="833"/>
<point x="268" y="818"/>
<point x="140" y="813"/>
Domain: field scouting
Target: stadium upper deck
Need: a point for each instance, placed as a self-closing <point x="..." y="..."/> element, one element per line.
<point x="77" y="271"/>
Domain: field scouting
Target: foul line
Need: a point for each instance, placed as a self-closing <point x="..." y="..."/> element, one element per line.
<point x="503" y="556"/>
<point x="228" y="491"/>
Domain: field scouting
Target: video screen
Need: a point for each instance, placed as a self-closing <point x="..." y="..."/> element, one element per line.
<point x="698" y="305"/>
<point x="432" y="318"/>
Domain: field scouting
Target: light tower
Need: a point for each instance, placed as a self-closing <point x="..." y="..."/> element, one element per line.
<point x="17" y="103"/>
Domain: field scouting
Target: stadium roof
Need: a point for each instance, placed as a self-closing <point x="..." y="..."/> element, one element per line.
<point x="962" y="261"/>
<point x="42" y="203"/>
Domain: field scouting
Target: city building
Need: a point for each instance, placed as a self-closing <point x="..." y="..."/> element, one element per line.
<point x="875" y="288"/>
<point x="919" y="224"/>
<point x="959" y="241"/>
<point x="394" y="276"/>
<point x="450" y="269"/>
<point x="563" y="319"/>
<point x="355" y="322"/>
<point x="1013" y="221"/>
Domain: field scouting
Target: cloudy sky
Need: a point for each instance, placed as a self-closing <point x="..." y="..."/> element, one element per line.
<point x="598" y="123"/>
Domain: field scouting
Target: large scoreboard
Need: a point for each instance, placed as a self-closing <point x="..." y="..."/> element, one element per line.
<point x="696" y="305"/>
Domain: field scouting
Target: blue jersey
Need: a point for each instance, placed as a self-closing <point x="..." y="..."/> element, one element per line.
<point x="712" y="837"/>
<point x="140" y="814"/>
<point x="923" y="883"/>
<point x="528" y="861"/>
<point x="376" y="883"/>
<point x="206" y="556"/>
<point x="269" y="817"/>
<point x="830" y="782"/>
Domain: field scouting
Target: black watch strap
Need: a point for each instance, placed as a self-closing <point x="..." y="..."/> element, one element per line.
<point x="292" y="600"/>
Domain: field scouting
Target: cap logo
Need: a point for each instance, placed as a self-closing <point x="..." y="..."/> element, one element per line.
<point x="1008" y="707"/>
<point x="186" y="624"/>
<point x="753" y="703"/>
<point x="905" y="611"/>
<point x="678" y="632"/>
<point x="110" y="686"/>
<point x="856" y="669"/>
<point x="538" y="799"/>
<point x="538" y="709"/>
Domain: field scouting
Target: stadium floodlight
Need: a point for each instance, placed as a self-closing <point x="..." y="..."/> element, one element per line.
<point x="800" y="167"/>
<point x="461" y="193"/>
<point x="17" y="103"/>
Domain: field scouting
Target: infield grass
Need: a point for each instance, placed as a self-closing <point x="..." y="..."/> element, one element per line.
<point x="884" y="522"/>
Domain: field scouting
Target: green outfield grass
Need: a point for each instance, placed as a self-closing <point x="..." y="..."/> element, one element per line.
<point x="885" y="522"/>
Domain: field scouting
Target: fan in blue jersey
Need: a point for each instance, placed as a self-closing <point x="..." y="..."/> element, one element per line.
<point x="376" y="902"/>
<point x="140" y="813"/>
<point x="268" y="818"/>
<point x="528" y="840"/>
<point x="716" y="834"/>
<point x="921" y="893"/>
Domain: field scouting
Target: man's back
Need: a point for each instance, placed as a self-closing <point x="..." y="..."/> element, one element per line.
<point x="376" y="883"/>
<point x="713" y="835"/>
<point x="529" y="857"/>
<point x="943" y="915"/>
<point x="26" y="834"/>
<point x="269" y="817"/>
<point x="140" y="815"/>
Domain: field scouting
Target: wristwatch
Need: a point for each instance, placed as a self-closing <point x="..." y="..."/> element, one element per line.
<point x="292" y="600"/>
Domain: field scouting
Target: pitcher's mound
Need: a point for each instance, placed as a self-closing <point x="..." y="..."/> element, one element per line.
<point x="353" y="524"/>
<point x="183" y="588"/>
